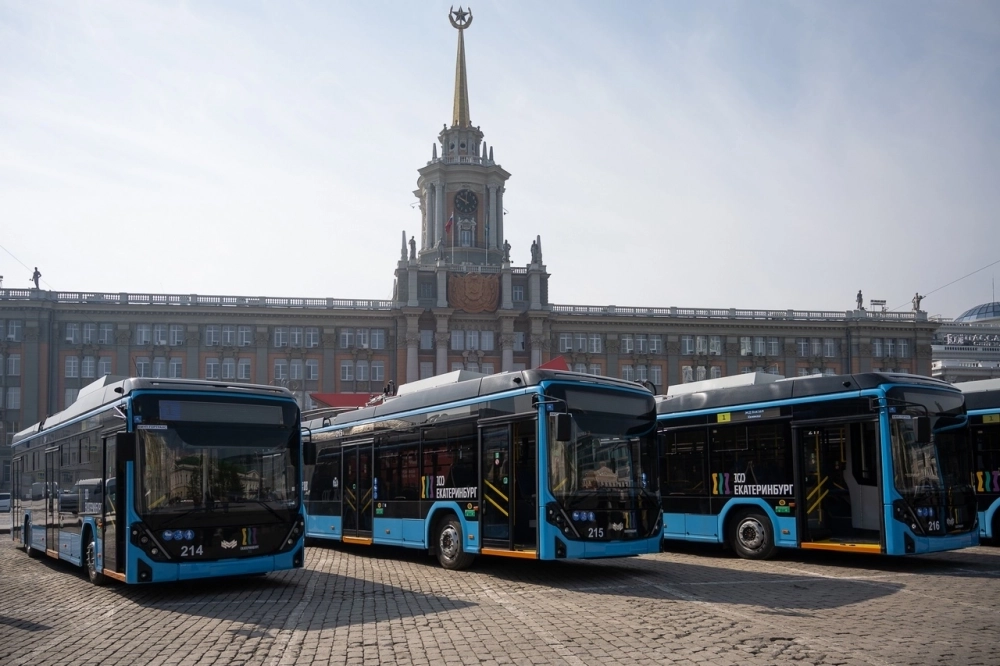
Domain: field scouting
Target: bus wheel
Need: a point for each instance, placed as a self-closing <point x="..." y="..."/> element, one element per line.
<point x="95" y="576"/>
<point x="751" y="535"/>
<point x="27" y="542"/>
<point x="448" y="545"/>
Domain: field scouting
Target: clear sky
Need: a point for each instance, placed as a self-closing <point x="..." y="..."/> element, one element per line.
<point x="690" y="154"/>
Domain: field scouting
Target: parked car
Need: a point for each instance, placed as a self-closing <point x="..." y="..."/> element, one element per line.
<point x="4" y="502"/>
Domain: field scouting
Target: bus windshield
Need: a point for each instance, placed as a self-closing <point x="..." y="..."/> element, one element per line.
<point x="944" y="462"/>
<point x="215" y="470"/>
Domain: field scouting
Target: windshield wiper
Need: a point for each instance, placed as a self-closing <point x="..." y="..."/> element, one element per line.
<point x="175" y="518"/>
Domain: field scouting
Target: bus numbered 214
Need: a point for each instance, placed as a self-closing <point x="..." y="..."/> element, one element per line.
<point x="982" y="400"/>
<point x="149" y="480"/>
<point x="535" y="464"/>
<point x="872" y="462"/>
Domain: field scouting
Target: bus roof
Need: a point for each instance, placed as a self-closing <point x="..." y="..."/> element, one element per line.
<point x="109" y="390"/>
<point x="463" y="386"/>
<point x="981" y="394"/>
<point x="784" y="389"/>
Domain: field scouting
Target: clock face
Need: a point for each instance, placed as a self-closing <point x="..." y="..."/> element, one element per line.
<point x="466" y="201"/>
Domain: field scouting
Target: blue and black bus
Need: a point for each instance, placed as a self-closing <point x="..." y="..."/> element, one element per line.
<point x="872" y="462"/>
<point x="149" y="480"/>
<point x="535" y="464"/>
<point x="982" y="400"/>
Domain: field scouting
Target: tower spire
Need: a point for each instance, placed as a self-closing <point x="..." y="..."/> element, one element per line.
<point x="460" y="20"/>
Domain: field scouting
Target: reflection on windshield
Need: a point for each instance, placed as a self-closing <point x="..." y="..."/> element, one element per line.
<point x="916" y="463"/>
<point x="177" y="476"/>
<point x="593" y="463"/>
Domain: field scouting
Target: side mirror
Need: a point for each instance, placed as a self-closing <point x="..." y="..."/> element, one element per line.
<point x="562" y="426"/>
<point x="923" y="429"/>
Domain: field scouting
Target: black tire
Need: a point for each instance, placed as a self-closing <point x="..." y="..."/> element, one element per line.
<point x="449" y="547"/>
<point x="90" y="562"/>
<point x="27" y="543"/>
<point x="751" y="535"/>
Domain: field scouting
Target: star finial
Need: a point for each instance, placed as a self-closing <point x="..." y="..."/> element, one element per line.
<point x="460" y="19"/>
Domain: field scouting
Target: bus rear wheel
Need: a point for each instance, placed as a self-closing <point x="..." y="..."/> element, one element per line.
<point x="95" y="576"/>
<point x="751" y="535"/>
<point x="449" y="547"/>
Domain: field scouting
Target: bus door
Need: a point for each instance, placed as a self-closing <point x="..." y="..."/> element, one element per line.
<point x="838" y="486"/>
<point x="16" y="499"/>
<point x="357" y="491"/>
<point x="113" y="539"/>
<point x="52" y="496"/>
<point x="509" y="500"/>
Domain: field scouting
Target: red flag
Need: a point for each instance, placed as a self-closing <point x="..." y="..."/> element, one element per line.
<point x="447" y="225"/>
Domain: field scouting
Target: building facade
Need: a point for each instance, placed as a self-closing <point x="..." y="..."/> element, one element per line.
<point x="459" y="303"/>
<point x="968" y="348"/>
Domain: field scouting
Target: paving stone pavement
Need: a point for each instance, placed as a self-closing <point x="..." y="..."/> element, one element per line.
<point x="355" y="605"/>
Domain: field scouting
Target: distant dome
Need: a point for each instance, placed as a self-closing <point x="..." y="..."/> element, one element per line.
<point x="980" y="313"/>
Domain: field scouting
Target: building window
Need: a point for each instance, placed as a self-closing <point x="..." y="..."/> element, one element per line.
<point x="426" y="339"/>
<point x="903" y="348"/>
<point x="347" y="371"/>
<point x="595" y="369"/>
<point x="773" y="345"/>
<point x="426" y="369"/>
<point x="628" y="344"/>
<point x="580" y="342"/>
<point x="628" y="373"/>
<point x="280" y="368"/>
<point x="143" y="334"/>
<point x="229" y="367"/>
<point x="890" y="347"/>
<point x="346" y="339"/>
<point x="89" y="334"/>
<point x="14" y="335"/>
<point x="519" y="341"/>
<point x="104" y="366"/>
<point x="580" y="367"/>
<point x="701" y="373"/>
<point x="466" y="237"/>
<point x="160" y="334"/>
<point x="73" y="334"/>
<point x="296" y="337"/>
<point x="13" y="365"/>
<point x="213" y="335"/>
<point x="715" y="372"/>
<point x="13" y="397"/>
<point x="802" y="346"/>
<point x="816" y="346"/>
<point x="106" y="334"/>
<point x="687" y="374"/>
<point x="72" y="366"/>
<point x="773" y="370"/>
<point x="517" y="293"/>
<point x="243" y="369"/>
<point x="641" y="344"/>
<point x="565" y="342"/>
<point x="829" y="347"/>
<point x="641" y="374"/>
<point x="458" y="340"/>
<point x="687" y="345"/>
<point x="457" y="365"/>
<point x="295" y="369"/>
<point x="142" y="366"/>
<point x="176" y="335"/>
<point x="280" y="336"/>
<point x="229" y="335"/>
<point x="877" y="347"/>
<point x="211" y="368"/>
<point x="472" y="339"/>
<point x="487" y="369"/>
<point x="312" y="336"/>
<point x="70" y="397"/>
<point x="378" y="371"/>
<point x="361" y="339"/>
<point x="425" y="289"/>
<point x="244" y="336"/>
<point x="312" y="370"/>
<point x="759" y="345"/>
<point x="378" y="338"/>
<point x="656" y="344"/>
<point x="594" y="346"/>
<point x="486" y="340"/>
<point x="656" y="375"/>
<point x="746" y="346"/>
<point x="700" y="344"/>
<point x="159" y="366"/>
<point x="361" y="371"/>
<point x="176" y="368"/>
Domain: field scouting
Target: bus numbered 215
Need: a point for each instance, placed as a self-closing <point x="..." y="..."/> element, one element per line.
<point x="149" y="480"/>
<point x="535" y="464"/>
<point x="982" y="400"/>
<point x="872" y="462"/>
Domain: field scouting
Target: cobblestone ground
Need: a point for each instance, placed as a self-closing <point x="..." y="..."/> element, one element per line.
<point x="380" y="606"/>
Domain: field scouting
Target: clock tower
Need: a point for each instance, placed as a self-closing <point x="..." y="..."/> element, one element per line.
<point x="461" y="189"/>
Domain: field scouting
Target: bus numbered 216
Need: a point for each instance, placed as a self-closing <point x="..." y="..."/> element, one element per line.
<point x="982" y="400"/>
<point x="534" y="464"/>
<point x="871" y="462"/>
<point x="150" y="480"/>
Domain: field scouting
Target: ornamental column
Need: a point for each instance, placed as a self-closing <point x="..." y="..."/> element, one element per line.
<point x="492" y="241"/>
<point x="438" y="210"/>
<point x="412" y="346"/>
